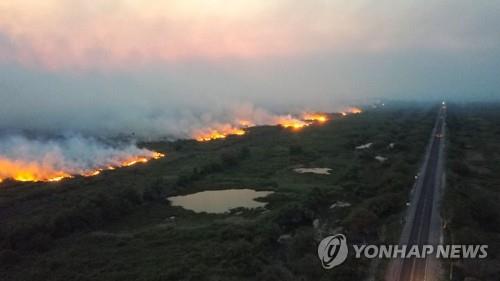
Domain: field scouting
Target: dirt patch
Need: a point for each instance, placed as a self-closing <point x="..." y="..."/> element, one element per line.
<point x="319" y="171"/>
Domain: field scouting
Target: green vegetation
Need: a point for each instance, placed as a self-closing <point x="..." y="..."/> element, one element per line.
<point x="472" y="198"/>
<point x="118" y="225"/>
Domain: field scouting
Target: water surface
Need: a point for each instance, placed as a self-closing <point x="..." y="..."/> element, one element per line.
<point x="219" y="201"/>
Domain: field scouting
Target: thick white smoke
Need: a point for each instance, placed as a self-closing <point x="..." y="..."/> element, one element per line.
<point x="45" y="159"/>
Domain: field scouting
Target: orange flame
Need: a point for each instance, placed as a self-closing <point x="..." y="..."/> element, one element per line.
<point x="134" y="161"/>
<point x="315" y="117"/>
<point x="60" y="178"/>
<point x="219" y="133"/>
<point x="92" y="173"/>
<point x="352" y="110"/>
<point x="29" y="171"/>
<point x="33" y="171"/>
<point x="289" y="122"/>
<point x="286" y="121"/>
<point x="222" y="131"/>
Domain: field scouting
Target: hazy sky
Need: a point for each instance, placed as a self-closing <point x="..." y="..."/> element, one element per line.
<point x="161" y="66"/>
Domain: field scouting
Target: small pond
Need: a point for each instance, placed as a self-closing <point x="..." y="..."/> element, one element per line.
<point x="220" y="201"/>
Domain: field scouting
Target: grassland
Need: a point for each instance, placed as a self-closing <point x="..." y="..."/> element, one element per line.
<point x="118" y="225"/>
<point x="472" y="199"/>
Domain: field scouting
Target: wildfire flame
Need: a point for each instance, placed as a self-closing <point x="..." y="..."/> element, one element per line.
<point x="28" y="171"/>
<point x="218" y="133"/>
<point x="92" y="173"/>
<point x="33" y="171"/>
<point x="315" y="117"/>
<point x="289" y="122"/>
<point x="286" y="121"/>
<point x="352" y="110"/>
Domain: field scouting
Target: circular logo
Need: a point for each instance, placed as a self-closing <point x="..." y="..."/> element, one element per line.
<point x="332" y="251"/>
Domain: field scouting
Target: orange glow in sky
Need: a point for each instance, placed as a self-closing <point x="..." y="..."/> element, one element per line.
<point x="117" y="33"/>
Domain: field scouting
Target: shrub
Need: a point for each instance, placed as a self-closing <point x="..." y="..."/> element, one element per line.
<point x="296" y="150"/>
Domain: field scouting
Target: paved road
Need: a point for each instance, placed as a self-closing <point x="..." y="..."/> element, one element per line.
<point x="423" y="222"/>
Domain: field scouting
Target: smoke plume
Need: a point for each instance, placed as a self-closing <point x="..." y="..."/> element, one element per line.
<point x="26" y="159"/>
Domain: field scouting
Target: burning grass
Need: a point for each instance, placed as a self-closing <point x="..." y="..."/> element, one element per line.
<point x="352" y="110"/>
<point x="290" y="122"/>
<point x="225" y="130"/>
<point x="221" y="131"/>
<point x="315" y="117"/>
<point x="47" y="171"/>
<point x="117" y="205"/>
